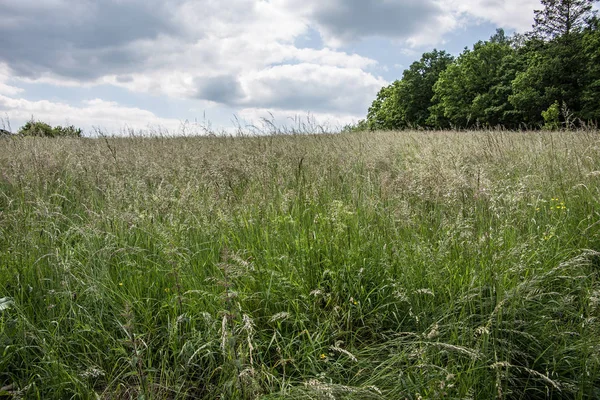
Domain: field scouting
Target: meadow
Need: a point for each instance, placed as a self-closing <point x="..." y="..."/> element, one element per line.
<point x="383" y="265"/>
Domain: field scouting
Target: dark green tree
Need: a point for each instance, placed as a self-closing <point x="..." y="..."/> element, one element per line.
<point x="560" y="63"/>
<point x="67" y="131"/>
<point x="42" y="129"/>
<point x="562" y="17"/>
<point x="36" y="128"/>
<point x="590" y="96"/>
<point x="549" y="77"/>
<point x="555" y="71"/>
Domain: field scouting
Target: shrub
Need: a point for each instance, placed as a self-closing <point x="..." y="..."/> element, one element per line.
<point x="42" y="129"/>
<point x="36" y="128"/>
<point x="67" y="131"/>
<point x="360" y="126"/>
<point x="552" y="117"/>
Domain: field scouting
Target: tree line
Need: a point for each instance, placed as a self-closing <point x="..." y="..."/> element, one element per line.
<point x="548" y="77"/>
<point x="42" y="129"/>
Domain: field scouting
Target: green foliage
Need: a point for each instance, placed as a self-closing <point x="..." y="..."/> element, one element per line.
<point x="36" y="128"/>
<point x="552" y="117"/>
<point x="561" y="18"/>
<point x="590" y="95"/>
<point x="474" y="90"/>
<point x="42" y="129"/>
<point x="506" y="81"/>
<point x="406" y="102"/>
<point x="385" y="112"/>
<point x="391" y="265"/>
<point x="67" y="131"/>
<point x="361" y="126"/>
<point x="417" y="91"/>
<point x="555" y="72"/>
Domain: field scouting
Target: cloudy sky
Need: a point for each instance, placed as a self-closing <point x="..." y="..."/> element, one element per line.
<point x="140" y="64"/>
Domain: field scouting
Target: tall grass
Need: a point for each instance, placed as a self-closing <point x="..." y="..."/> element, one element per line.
<point x="358" y="266"/>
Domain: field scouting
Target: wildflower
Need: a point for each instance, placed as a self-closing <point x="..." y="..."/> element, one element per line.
<point x="322" y="356"/>
<point x="120" y="283"/>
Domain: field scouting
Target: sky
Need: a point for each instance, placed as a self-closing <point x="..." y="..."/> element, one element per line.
<point x="180" y="66"/>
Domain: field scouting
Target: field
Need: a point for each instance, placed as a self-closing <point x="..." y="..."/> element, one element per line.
<point x="385" y="265"/>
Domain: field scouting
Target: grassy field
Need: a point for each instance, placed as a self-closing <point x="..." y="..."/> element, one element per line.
<point x="413" y="265"/>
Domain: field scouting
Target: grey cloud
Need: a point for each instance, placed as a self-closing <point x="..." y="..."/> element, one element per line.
<point x="221" y="89"/>
<point x="350" y="94"/>
<point x="124" y="78"/>
<point x="279" y="92"/>
<point x="81" y="40"/>
<point x="353" y="19"/>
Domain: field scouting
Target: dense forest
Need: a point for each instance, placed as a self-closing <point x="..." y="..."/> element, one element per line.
<point x="546" y="78"/>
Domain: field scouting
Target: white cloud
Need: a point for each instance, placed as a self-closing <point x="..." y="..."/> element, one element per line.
<point x="238" y="58"/>
<point x="312" y="87"/>
<point x="242" y="54"/>
<point x="509" y="14"/>
<point x="107" y="115"/>
<point x="5" y="88"/>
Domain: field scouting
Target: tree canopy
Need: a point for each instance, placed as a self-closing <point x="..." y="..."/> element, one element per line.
<point x="562" y="17"/>
<point x="407" y="102"/>
<point x="42" y="129"/>
<point x="504" y="81"/>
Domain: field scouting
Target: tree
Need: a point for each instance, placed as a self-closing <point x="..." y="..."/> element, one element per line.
<point x="549" y="77"/>
<point x="555" y="71"/>
<point x="475" y="89"/>
<point x="67" y="131"/>
<point x="42" y="129"/>
<point x="562" y="17"/>
<point x="590" y="96"/>
<point x="416" y="94"/>
<point x="36" y="128"/>
<point x="385" y="112"/>
<point x="561" y="63"/>
<point x="406" y="102"/>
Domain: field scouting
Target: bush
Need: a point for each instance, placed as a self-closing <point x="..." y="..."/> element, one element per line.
<point x="36" y="128"/>
<point x="360" y="126"/>
<point x="552" y="117"/>
<point x="42" y="129"/>
<point x="67" y="131"/>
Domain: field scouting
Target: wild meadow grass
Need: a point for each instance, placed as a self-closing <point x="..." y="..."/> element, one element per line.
<point x="386" y="265"/>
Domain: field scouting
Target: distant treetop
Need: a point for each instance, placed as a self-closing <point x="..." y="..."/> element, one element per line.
<point x="42" y="129"/>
